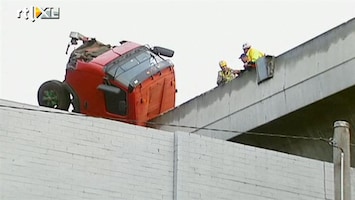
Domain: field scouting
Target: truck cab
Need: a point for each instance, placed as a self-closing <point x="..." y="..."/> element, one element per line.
<point x="128" y="82"/>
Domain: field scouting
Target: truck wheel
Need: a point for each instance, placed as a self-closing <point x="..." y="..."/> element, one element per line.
<point x="52" y="94"/>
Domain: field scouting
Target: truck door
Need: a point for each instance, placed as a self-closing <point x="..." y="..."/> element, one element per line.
<point x="115" y="99"/>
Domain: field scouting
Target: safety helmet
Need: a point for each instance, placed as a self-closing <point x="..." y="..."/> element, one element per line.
<point x="223" y="63"/>
<point x="246" y="45"/>
<point x="242" y="55"/>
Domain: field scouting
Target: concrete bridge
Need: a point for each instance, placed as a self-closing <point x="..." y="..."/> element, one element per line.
<point x="313" y="86"/>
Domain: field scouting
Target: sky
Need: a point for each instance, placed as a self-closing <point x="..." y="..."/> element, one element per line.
<point x="201" y="32"/>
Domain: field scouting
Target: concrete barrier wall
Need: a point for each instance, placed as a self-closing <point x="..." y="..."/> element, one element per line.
<point x="47" y="155"/>
<point x="302" y="76"/>
<point x="215" y="169"/>
<point x="50" y="154"/>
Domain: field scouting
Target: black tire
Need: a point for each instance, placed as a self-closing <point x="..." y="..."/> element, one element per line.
<point x="53" y="94"/>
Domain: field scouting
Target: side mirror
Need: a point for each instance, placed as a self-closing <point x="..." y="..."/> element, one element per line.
<point x="163" y="51"/>
<point x="108" y="88"/>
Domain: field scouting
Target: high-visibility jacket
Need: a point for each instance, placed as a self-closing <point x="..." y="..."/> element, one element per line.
<point x="225" y="76"/>
<point x="254" y="54"/>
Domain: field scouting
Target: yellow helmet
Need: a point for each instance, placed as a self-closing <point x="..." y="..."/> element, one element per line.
<point x="223" y="63"/>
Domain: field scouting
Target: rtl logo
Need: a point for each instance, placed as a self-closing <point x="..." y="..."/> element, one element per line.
<point x="36" y="12"/>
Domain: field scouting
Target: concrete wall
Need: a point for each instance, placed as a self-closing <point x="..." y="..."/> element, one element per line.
<point x="306" y="74"/>
<point x="50" y="154"/>
<point x="47" y="155"/>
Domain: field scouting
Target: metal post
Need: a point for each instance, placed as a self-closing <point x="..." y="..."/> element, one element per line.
<point x="341" y="158"/>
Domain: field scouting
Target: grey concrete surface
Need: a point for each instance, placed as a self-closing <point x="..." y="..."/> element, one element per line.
<point x="308" y="73"/>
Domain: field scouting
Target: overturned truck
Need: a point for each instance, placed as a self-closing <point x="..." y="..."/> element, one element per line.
<point x="129" y="82"/>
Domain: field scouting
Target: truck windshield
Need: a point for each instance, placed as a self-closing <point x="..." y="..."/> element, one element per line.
<point x="135" y="66"/>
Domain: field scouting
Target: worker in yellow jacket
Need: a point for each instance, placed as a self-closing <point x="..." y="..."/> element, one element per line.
<point x="252" y="54"/>
<point x="226" y="74"/>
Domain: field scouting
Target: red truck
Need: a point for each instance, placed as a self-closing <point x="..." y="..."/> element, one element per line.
<point x="129" y="82"/>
